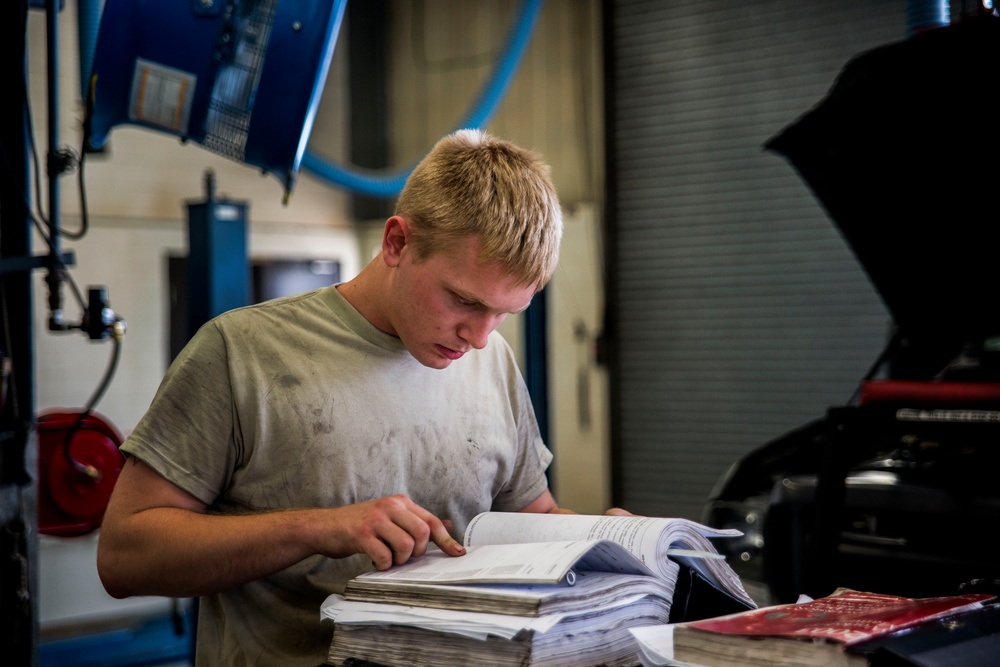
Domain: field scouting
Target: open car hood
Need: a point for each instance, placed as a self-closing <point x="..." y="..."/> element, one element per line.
<point x="903" y="154"/>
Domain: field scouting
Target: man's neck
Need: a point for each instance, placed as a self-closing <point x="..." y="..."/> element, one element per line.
<point x="365" y="294"/>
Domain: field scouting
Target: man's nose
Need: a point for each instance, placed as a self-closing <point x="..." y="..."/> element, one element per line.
<point x="476" y="331"/>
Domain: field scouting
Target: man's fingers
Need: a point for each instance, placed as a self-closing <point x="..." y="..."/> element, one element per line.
<point x="380" y="553"/>
<point x="445" y="541"/>
<point x="411" y="529"/>
<point x="459" y="550"/>
<point x="438" y="533"/>
<point x="425" y="527"/>
<point x="617" y="511"/>
<point x="399" y="529"/>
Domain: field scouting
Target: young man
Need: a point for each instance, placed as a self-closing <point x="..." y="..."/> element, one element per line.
<point x="297" y="443"/>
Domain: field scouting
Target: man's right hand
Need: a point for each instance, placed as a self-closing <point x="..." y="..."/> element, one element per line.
<point x="389" y="530"/>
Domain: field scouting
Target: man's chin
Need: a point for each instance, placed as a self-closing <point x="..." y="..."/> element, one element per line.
<point x="437" y="364"/>
<point x="436" y="356"/>
<point x="433" y="360"/>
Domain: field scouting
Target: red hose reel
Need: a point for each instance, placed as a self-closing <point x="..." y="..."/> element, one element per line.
<point x="78" y="466"/>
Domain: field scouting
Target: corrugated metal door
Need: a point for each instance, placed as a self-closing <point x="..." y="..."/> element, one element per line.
<point x="737" y="311"/>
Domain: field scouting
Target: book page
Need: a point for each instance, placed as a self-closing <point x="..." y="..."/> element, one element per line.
<point x="650" y="539"/>
<point x="656" y="644"/>
<point x="540" y="563"/>
<point x="589" y="585"/>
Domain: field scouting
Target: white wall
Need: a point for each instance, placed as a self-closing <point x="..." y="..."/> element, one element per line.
<point x="578" y="387"/>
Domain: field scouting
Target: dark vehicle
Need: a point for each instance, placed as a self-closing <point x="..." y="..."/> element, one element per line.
<point x="897" y="491"/>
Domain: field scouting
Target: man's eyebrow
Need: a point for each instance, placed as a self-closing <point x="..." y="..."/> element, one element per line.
<point x="475" y="299"/>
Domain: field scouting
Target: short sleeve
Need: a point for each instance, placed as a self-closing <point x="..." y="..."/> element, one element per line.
<point x="187" y="434"/>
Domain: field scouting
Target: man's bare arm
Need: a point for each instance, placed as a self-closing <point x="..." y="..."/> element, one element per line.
<point x="157" y="539"/>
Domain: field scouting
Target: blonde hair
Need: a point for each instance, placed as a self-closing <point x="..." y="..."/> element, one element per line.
<point x="473" y="184"/>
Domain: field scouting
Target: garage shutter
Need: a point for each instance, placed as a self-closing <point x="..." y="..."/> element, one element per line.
<point x="736" y="310"/>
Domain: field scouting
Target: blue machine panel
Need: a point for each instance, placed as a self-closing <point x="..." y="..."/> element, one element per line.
<point x="242" y="78"/>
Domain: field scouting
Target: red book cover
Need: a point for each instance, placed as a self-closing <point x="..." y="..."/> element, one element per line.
<point x="846" y="616"/>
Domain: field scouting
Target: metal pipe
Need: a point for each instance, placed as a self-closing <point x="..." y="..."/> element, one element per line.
<point x="54" y="275"/>
<point x="52" y="36"/>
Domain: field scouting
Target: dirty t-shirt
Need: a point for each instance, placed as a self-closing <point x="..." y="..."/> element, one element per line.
<point x="301" y="402"/>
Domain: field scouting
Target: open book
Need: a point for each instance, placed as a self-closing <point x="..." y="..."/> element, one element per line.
<point x="521" y="563"/>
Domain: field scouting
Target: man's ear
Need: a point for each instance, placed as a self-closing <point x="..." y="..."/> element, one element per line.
<point x="395" y="236"/>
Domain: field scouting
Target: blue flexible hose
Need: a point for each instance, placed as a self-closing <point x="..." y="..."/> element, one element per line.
<point x="388" y="184"/>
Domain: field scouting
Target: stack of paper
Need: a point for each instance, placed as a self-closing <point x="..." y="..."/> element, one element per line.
<point x="514" y="599"/>
<point x="391" y="634"/>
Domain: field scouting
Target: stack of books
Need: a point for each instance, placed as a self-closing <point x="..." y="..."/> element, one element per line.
<point x="846" y="629"/>
<point x="534" y="590"/>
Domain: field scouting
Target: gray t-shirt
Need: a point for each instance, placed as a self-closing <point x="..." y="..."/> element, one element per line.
<point x="301" y="402"/>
